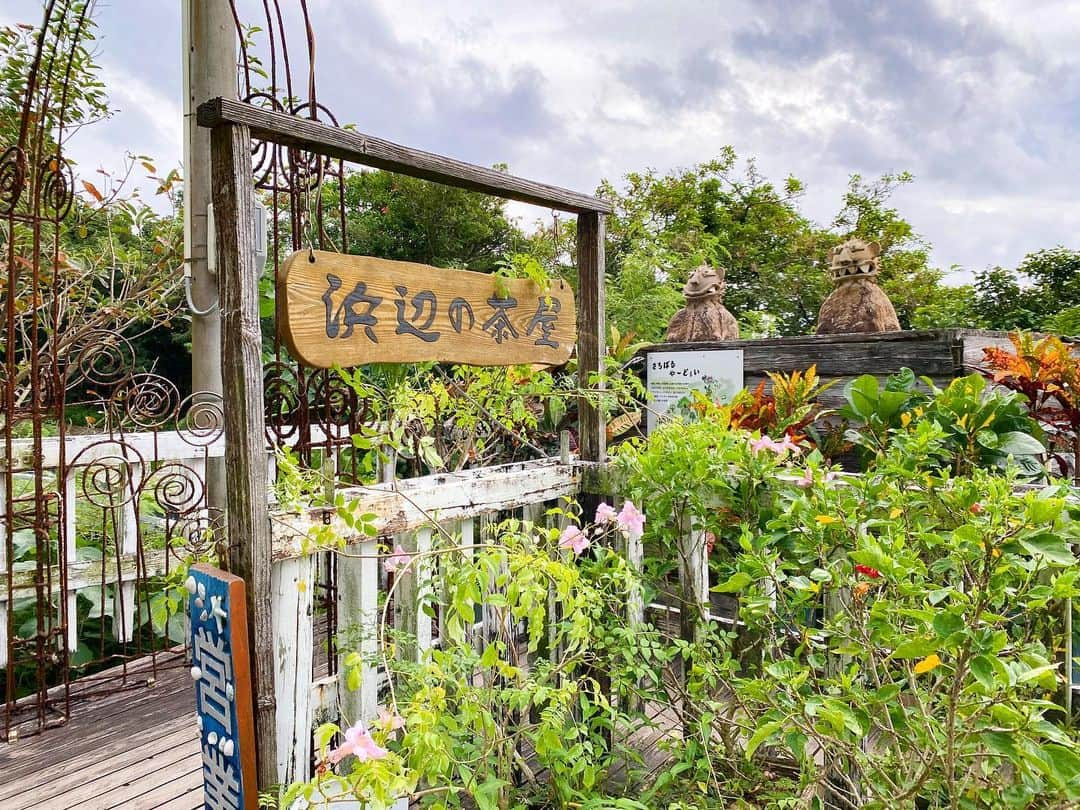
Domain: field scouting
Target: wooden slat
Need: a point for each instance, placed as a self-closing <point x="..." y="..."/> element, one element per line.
<point x="86" y="448"/>
<point x="411" y="591"/>
<point x="248" y="528"/>
<point x="55" y="784"/>
<point x="408" y="505"/>
<point x="367" y="150"/>
<point x="358" y="604"/>
<point x="592" y="332"/>
<point x="146" y="791"/>
<point x="294" y="588"/>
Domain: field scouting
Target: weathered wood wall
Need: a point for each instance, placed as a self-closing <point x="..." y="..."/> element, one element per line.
<point x="940" y="354"/>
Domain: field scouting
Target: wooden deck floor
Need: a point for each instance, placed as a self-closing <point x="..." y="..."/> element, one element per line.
<point x="136" y="749"/>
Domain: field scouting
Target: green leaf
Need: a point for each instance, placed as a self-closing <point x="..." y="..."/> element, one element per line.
<point x="862" y="395"/>
<point x="1064" y="762"/>
<point x="983" y="670"/>
<point x="1035" y="673"/>
<point x="1015" y="443"/>
<point x="490" y="657"/>
<point x="1050" y="546"/>
<point x="915" y="648"/>
<point x="760" y="735"/>
<point x="736" y="582"/>
<point x="945" y="624"/>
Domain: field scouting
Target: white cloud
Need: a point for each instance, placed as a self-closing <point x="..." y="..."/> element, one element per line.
<point x="980" y="101"/>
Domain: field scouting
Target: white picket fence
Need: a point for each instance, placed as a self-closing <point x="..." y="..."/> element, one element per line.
<point x="460" y="503"/>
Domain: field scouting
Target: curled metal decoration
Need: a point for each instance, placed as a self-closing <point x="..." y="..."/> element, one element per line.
<point x="56" y="187"/>
<point x="204" y="418"/>
<point x="201" y="534"/>
<point x="177" y="489"/>
<point x="12" y="178"/>
<point x="308" y="169"/>
<point x="108" y="480"/>
<point x="148" y="401"/>
<point x="103" y="358"/>
<point x="267" y="159"/>
<point x="282" y="401"/>
<point x="333" y="401"/>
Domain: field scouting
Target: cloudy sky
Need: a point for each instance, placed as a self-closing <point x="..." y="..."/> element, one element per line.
<point x="979" y="100"/>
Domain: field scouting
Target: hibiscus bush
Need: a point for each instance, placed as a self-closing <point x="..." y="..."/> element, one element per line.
<point x="900" y="640"/>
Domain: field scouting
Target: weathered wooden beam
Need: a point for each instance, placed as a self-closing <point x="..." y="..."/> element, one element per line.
<point x="248" y="523"/>
<point x="405" y="506"/>
<point x="356" y="147"/>
<point x="592" y="332"/>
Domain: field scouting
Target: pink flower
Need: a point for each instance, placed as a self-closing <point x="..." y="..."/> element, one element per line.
<point x="605" y="513"/>
<point x="773" y="446"/>
<point x="573" y="538"/>
<point x="390" y="722"/>
<point x="358" y="742"/>
<point x="764" y="443"/>
<point x="631" y="520"/>
<point x="396" y="561"/>
<point x="788" y="444"/>
<point x="807" y="479"/>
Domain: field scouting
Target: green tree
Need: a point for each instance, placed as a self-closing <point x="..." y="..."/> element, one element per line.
<point x="775" y="257"/>
<point x="397" y="217"/>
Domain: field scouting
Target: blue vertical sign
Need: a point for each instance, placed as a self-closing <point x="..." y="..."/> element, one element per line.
<point x="220" y="668"/>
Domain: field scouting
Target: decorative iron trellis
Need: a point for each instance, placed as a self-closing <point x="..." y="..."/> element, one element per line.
<point x="92" y="523"/>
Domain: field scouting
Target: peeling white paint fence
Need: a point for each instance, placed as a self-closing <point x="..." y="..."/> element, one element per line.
<point x="462" y="504"/>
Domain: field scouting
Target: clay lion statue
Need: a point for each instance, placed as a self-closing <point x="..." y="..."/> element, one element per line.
<point x="857" y="304"/>
<point x="704" y="317"/>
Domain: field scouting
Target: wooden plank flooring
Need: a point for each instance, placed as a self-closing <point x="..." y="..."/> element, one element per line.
<point x="136" y="749"/>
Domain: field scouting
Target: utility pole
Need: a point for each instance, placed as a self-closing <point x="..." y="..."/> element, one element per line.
<point x="209" y="61"/>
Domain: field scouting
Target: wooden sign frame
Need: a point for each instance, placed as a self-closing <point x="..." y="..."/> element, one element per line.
<point x="336" y="309"/>
<point x="233" y="125"/>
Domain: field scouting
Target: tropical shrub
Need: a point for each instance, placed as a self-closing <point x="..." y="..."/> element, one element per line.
<point x="1047" y="372"/>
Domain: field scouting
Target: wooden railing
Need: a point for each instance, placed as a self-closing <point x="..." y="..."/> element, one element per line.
<point x="407" y="512"/>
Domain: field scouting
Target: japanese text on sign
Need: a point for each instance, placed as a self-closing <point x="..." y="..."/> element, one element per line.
<point x="348" y="310"/>
<point x="219" y="667"/>
<point x="673" y="377"/>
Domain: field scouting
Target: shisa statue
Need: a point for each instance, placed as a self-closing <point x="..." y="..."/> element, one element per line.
<point x="704" y="317"/>
<point x="857" y="304"/>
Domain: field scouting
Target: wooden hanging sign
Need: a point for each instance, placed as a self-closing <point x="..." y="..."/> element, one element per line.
<point x="337" y="309"/>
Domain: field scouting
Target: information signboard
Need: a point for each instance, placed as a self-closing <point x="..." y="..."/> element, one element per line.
<point x="672" y="376"/>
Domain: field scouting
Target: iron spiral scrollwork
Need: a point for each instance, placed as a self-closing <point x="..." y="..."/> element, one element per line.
<point x="56" y="187"/>
<point x="177" y="490"/>
<point x="203" y="418"/>
<point x="148" y="401"/>
<point x="101" y="359"/>
<point x="12" y="178"/>
<point x="111" y="478"/>
<point x="282" y="402"/>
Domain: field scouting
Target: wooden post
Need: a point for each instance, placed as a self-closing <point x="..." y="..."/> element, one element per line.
<point x="358" y="605"/>
<point x="693" y="600"/>
<point x="294" y="586"/>
<point x="591" y="349"/>
<point x="412" y="591"/>
<point x="248" y="521"/>
<point x="126" y="526"/>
